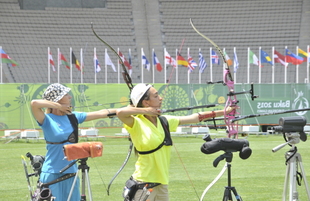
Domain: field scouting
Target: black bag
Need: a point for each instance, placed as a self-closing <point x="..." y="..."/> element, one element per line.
<point x="130" y="189"/>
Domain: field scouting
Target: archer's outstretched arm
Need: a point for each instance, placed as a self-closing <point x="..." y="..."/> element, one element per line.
<point x="198" y="117"/>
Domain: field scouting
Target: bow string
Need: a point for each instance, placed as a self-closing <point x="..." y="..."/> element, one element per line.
<point x="232" y="127"/>
<point x="128" y="81"/>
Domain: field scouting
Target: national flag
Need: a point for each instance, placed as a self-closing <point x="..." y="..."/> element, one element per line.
<point x="293" y="58"/>
<point x="145" y="62"/>
<point x="75" y="61"/>
<point x="96" y="64"/>
<point x="51" y="61"/>
<point x="109" y="62"/>
<point x="202" y="63"/>
<point x="156" y="62"/>
<point x="181" y="60"/>
<point x="253" y="58"/>
<point x="279" y="58"/>
<point x="303" y="54"/>
<point x="170" y="60"/>
<point x="228" y="60"/>
<point x="236" y="62"/>
<point x="5" y="58"/>
<point x="265" y="58"/>
<point x="64" y="60"/>
<point x="191" y="63"/>
<point x="215" y="58"/>
<point x="126" y="63"/>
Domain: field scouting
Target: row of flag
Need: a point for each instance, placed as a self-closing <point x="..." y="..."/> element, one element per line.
<point x="289" y="57"/>
<point x="190" y="63"/>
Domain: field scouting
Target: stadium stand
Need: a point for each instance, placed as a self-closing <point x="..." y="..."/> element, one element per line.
<point x="135" y="24"/>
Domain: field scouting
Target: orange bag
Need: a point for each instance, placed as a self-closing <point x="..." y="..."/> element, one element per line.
<point x="83" y="150"/>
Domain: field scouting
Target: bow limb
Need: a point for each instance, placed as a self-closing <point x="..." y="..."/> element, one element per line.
<point x="232" y="128"/>
<point x="126" y="76"/>
<point x="122" y="167"/>
<point x="27" y="176"/>
<point x="128" y="81"/>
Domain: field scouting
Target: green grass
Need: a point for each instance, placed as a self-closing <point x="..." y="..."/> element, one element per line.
<point x="260" y="177"/>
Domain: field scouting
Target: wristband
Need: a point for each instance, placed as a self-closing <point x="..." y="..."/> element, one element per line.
<point x="205" y="116"/>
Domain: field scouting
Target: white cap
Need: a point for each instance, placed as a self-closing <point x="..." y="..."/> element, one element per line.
<point x="137" y="92"/>
<point x="55" y="92"/>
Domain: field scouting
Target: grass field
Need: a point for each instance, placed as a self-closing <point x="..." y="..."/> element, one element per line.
<point x="260" y="177"/>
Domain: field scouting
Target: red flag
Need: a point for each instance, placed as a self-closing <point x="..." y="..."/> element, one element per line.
<point x="50" y="58"/>
<point x="64" y="60"/>
<point x="293" y="58"/>
<point x="279" y="58"/>
<point x="125" y="62"/>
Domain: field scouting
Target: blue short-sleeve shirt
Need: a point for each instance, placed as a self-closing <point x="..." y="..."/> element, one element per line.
<point x="57" y="129"/>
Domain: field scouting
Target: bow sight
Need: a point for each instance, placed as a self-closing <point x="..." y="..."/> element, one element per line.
<point x="232" y="93"/>
<point x="251" y="91"/>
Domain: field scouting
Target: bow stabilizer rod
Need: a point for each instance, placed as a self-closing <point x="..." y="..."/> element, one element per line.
<point x="267" y="114"/>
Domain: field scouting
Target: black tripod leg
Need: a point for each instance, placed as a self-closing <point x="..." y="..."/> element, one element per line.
<point x="238" y="197"/>
<point x="227" y="194"/>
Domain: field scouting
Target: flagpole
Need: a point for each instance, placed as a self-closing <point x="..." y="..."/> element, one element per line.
<point x="259" y="66"/>
<point x="248" y="65"/>
<point x="118" y="68"/>
<point x="142" y="74"/>
<point x="273" y="63"/>
<point x="177" y="70"/>
<point x="285" y="70"/>
<point x="58" y="65"/>
<point x="105" y="65"/>
<point x="165" y="65"/>
<point x="235" y="73"/>
<point x="297" y="67"/>
<point x="224" y="50"/>
<point x="153" y="70"/>
<point x="199" y="68"/>
<point x="71" y="65"/>
<point x="95" y="66"/>
<point x="1" y="63"/>
<point x="48" y="65"/>
<point x="188" y="71"/>
<point x="82" y="64"/>
<point x="211" y="66"/>
<point x="308" y="60"/>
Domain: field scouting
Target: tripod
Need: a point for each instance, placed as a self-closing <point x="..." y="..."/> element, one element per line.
<point x="84" y="169"/>
<point x="228" y="189"/>
<point x="293" y="160"/>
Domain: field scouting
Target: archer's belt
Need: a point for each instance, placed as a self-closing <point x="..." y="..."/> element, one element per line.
<point x="141" y="185"/>
<point x="149" y="185"/>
